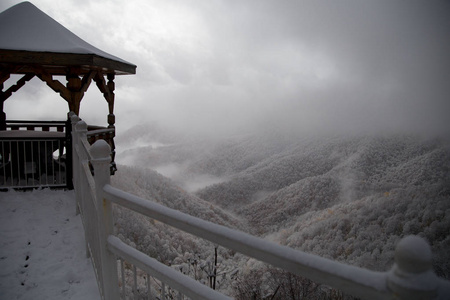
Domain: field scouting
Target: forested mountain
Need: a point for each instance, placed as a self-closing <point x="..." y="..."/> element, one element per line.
<point x="350" y="198"/>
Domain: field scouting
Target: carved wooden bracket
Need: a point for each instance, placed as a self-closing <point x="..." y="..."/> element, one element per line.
<point x="74" y="90"/>
<point x="107" y="89"/>
<point x="4" y="75"/>
<point x="52" y="83"/>
<point x="77" y="87"/>
<point x="14" y="88"/>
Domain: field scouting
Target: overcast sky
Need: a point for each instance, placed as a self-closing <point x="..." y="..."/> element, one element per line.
<point x="235" y="66"/>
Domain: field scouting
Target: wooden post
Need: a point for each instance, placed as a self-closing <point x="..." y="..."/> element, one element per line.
<point x="74" y="86"/>
<point x="107" y="89"/>
<point x="69" y="153"/>
<point x="100" y="153"/>
<point x="110" y="99"/>
<point x="2" y="119"/>
<point x="2" y="113"/>
<point x="77" y="87"/>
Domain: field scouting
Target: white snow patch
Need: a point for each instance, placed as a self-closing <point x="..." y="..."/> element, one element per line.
<point x="42" y="248"/>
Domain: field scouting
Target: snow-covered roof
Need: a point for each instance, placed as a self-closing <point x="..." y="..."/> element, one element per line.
<point x="24" y="27"/>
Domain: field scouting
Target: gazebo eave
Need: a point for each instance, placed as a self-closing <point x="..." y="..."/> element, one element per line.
<point x="59" y="63"/>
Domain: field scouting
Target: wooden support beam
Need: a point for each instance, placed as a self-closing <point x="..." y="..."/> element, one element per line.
<point x="2" y="112"/>
<point x="72" y="92"/>
<point x="86" y="81"/>
<point x="4" y="75"/>
<point x="53" y="84"/>
<point x="14" y="88"/>
<point x="6" y="71"/>
<point x="101" y="84"/>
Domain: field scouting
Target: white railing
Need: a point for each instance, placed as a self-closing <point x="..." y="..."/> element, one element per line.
<point x="411" y="277"/>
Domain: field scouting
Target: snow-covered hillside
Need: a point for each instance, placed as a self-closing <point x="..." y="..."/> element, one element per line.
<point x="348" y="198"/>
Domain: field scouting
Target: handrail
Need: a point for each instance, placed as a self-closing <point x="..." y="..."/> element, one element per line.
<point x="353" y="280"/>
<point x="103" y="131"/>
<point x="411" y="277"/>
<point x="60" y="126"/>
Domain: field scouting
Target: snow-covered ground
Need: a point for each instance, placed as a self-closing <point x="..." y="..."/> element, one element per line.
<point x="42" y="249"/>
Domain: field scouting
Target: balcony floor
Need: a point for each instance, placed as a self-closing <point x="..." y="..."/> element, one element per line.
<point x="42" y="249"/>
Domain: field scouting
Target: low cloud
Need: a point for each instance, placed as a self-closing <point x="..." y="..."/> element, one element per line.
<point x="227" y="66"/>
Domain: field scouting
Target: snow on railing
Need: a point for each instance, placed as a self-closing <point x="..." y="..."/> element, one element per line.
<point x="86" y="198"/>
<point x="411" y="277"/>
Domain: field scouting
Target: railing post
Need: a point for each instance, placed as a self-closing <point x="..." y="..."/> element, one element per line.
<point x="75" y="161"/>
<point x="69" y="150"/>
<point x="100" y="152"/>
<point x="412" y="276"/>
<point x="79" y="129"/>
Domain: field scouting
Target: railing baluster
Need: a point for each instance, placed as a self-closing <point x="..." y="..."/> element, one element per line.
<point x="39" y="162"/>
<point x="22" y="164"/>
<point x="163" y="290"/>
<point x="18" y="162"/>
<point x="58" y="163"/>
<point x="51" y="161"/>
<point x="10" y="163"/>
<point x="45" y="163"/>
<point x="135" y="290"/>
<point x="122" y="274"/>
<point x="149" y="288"/>
<point x="3" y="162"/>
<point x="33" y="168"/>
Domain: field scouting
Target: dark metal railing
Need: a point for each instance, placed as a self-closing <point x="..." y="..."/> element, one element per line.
<point x="35" y="154"/>
<point x="39" y="153"/>
<point x="59" y="126"/>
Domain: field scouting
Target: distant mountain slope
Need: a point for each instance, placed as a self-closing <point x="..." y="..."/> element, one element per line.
<point x="364" y="232"/>
<point x="375" y="167"/>
<point x="148" y="184"/>
<point x="300" y="160"/>
<point x="337" y="168"/>
<point x="349" y="198"/>
<point x="171" y="246"/>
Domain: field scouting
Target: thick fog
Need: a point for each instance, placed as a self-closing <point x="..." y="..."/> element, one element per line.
<point x="225" y="67"/>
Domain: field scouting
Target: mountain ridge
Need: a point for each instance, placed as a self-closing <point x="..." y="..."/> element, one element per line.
<point x="349" y="198"/>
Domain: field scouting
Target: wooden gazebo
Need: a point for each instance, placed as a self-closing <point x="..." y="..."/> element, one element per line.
<point x="33" y="44"/>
